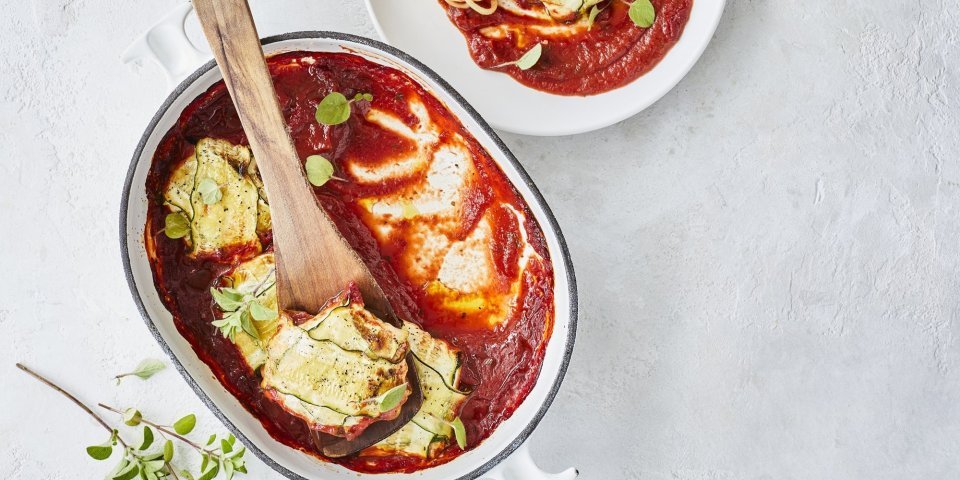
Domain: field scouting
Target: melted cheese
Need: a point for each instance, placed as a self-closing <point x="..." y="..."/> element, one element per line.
<point x="455" y="267"/>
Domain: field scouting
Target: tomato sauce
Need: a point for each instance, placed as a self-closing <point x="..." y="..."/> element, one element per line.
<point x="500" y="362"/>
<point x="581" y="61"/>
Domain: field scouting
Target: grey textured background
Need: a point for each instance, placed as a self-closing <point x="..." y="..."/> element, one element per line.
<point x="767" y="257"/>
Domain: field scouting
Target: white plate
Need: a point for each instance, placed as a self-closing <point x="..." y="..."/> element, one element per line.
<point x="421" y="28"/>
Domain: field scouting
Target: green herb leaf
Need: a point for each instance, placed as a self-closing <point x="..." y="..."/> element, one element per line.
<point x="459" y="432"/>
<point x="147" y="368"/>
<point x="176" y="225"/>
<point x="225" y="446"/>
<point x="211" y="472"/>
<point x="168" y="451"/>
<point x="153" y="466"/>
<point x="261" y="313"/>
<point x="392" y="398"/>
<point x="100" y="452"/>
<point x="130" y="470"/>
<point x="227" y="298"/>
<point x="131" y="417"/>
<point x="209" y="191"/>
<point x="147" y="437"/>
<point x="642" y="13"/>
<point x="319" y="170"/>
<point x="530" y="58"/>
<point x="592" y="16"/>
<point x="246" y="323"/>
<point x="334" y="109"/>
<point x="185" y="425"/>
<point x="228" y="470"/>
<point x="213" y="437"/>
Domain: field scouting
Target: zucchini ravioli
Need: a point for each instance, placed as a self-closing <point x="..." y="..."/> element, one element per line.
<point x="451" y="242"/>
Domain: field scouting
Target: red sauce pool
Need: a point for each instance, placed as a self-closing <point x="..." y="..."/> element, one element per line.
<point x="613" y="53"/>
<point x="501" y="363"/>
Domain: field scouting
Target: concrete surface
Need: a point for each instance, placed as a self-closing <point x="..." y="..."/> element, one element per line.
<point x="768" y="256"/>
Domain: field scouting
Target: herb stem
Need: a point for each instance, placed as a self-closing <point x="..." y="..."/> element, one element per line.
<point x="72" y="398"/>
<point x="166" y="431"/>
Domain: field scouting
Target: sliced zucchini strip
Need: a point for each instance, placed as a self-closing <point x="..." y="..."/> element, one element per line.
<point x="240" y="213"/>
<point x="351" y="327"/>
<point x="331" y="382"/>
<point x="438" y="367"/>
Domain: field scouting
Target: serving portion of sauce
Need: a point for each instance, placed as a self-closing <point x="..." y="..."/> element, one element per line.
<point x="580" y="56"/>
<point x="452" y="243"/>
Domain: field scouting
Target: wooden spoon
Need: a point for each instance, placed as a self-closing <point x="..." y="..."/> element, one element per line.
<point x="314" y="261"/>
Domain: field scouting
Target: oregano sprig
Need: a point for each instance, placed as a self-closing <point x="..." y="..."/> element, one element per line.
<point x="240" y="309"/>
<point x="149" y="463"/>
<point x="144" y="370"/>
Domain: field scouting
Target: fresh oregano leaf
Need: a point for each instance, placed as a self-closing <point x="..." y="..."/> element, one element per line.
<point x="592" y="16"/>
<point x="168" y="451"/>
<point x="530" y="58"/>
<point x="246" y="323"/>
<point x="319" y="170"/>
<point x="130" y="471"/>
<point x="101" y="452"/>
<point x="185" y="425"/>
<point x="131" y="417"/>
<point x="225" y="446"/>
<point x="147" y="437"/>
<point x="392" y="398"/>
<point x="334" y="109"/>
<point x="209" y="191"/>
<point x="261" y="313"/>
<point x="213" y="438"/>
<point x="642" y="13"/>
<point x="148" y="368"/>
<point x="211" y="472"/>
<point x="460" y="432"/>
<point x="176" y="225"/>
<point x="153" y="466"/>
<point x="227" y="298"/>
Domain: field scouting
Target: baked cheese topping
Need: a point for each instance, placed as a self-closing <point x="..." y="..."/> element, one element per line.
<point x="453" y="266"/>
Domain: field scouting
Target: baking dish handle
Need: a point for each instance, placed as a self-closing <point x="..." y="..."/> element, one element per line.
<point x="519" y="466"/>
<point x="167" y="44"/>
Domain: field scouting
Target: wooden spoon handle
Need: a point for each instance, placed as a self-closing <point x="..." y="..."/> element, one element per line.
<point x="314" y="261"/>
